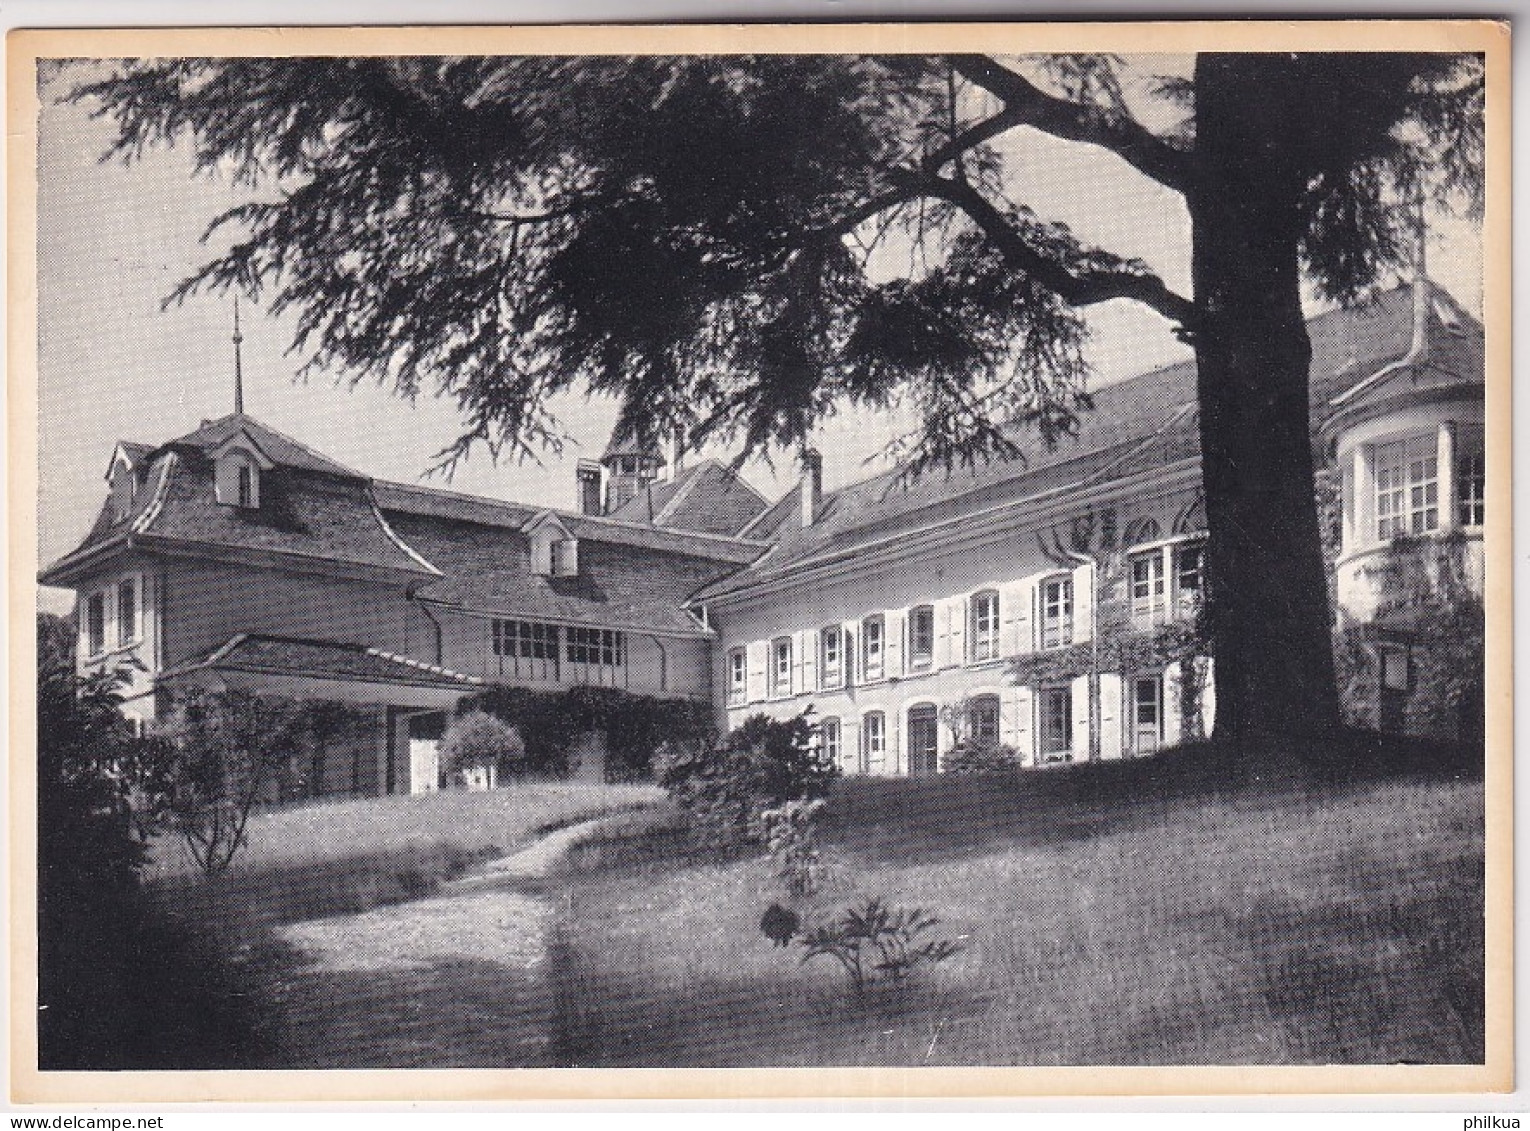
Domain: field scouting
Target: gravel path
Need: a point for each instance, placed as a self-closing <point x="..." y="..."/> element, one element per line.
<point x="454" y="980"/>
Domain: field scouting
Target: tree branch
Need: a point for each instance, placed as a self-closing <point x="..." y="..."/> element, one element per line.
<point x="1083" y="289"/>
<point x="1028" y="105"/>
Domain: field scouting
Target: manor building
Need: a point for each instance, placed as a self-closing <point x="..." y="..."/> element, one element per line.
<point x="1047" y="604"/>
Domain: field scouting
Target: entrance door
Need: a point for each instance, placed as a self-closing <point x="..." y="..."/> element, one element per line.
<point x="923" y="737"/>
<point x="425" y="752"/>
<point x="1056" y="724"/>
<point x="1147" y="713"/>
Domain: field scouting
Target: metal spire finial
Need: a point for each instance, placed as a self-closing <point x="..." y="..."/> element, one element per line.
<point x="238" y="368"/>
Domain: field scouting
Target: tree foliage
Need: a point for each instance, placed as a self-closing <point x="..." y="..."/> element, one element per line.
<point x="734" y="246"/>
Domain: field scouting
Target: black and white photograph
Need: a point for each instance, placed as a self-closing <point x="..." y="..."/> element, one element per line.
<point x="869" y="550"/>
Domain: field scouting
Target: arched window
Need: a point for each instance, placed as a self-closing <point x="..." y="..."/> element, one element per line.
<point x="833" y="752"/>
<point x="983" y="722"/>
<point x="921" y="636"/>
<point x="781" y="666"/>
<point x="873" y="741"/>
<point x="831" y="657"/>
<point x="873" y="641"/>
<point x="983" y="638"/>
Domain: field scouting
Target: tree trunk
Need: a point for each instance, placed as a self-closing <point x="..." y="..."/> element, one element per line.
<point x="1267" y="606"/>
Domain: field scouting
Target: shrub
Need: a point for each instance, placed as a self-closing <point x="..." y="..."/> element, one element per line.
<point x="970" y="758"/>
<point x="224" y="753"/>
<point x="724" y="787"/>
<point x="791" y="834"/>
<point x="479" y="740"/>
<point x="878" y="942"/>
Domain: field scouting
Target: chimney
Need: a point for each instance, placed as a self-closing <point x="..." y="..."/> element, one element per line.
<point x="589" y="486"/>
<point x="811" y="488"/>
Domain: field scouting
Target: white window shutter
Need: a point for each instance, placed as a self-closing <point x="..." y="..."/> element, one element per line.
<point x="1110" y="715"/>
<point x="894" y="762"/>
<point x="1170" y="708"/>
<point x="807" y="659"/>
<point x="956" y="614"/>
<point x="756" y="660"/>
<point x="1024" y="711"/>
<point x="1080" y="708"/>
<point x="850" y="744"/>
<point x="849" y="644"/>
<point x="1208" y="693"/>
<point x="892" y="645"/>
<point x="941" y="612"/>
<point x="1015" y="618"/>
<point x="1083" y="604"/>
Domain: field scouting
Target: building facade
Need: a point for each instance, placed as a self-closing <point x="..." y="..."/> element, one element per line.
<point x="1048" y="604"/>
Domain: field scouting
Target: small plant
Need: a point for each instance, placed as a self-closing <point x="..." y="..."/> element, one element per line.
<point x="982" y="758"/>
<point x="878" y="942"/>
<point x="791" y="835"/>
<point x="478" y="740"/>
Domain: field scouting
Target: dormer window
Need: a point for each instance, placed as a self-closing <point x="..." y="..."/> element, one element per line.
<point x="565" y="557"/>
<point x="238" y="467"/>
<point x="554" y="551"/>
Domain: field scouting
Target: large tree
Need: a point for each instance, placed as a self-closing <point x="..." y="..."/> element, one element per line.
<point x="699" y="237"/>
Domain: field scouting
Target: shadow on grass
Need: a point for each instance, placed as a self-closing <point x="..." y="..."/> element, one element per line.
<point x="462" y="1013"/>
<point x="932" y="819"/>
<point x="614" y="1016"/>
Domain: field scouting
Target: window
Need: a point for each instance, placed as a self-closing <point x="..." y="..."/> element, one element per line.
<point x="923" y="741"/>
<point x="984" y="643"/>
<point x="603" y="646"/>
<point x="983" y="722"/>
<point x="1056" y="724"/>
<point x="1056" y="612"/>
<point x="921" y="636"/>
<point x="737" y="677"/>
<point x="1471" y="481"/>
<point x="1187" y="577"/>
<point x="781" y="666"/>
<point x="565" y="557"/>
<point x="830" y="735"/>
<point x="871" y="647"/>
<point x="873" y="740"/>
<point x="831" y="652"/>
<point x="95" y="624"/>
<point x="1147" y="713"/>
<point x="1148" y="610"/>
<point x="1407" y="488"/>
<point x="127" y="611"/>
<point x="246" y="485"/>
<point x="529" y="640"/>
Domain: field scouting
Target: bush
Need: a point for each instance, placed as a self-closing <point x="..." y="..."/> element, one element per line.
<point x="878" y="942"/>
<point x="982" y="759"/>
<point x="791" y="834"/>
<point x="479" y="740"/>
<point x="724" y="787"/>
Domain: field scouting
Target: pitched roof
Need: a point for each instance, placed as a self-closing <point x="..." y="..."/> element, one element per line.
<point x="411" y="498"/>
<point x="1142" y="422"/>
<point x="295" y="656"/>
<point x="313" y="513"/>
<point x="281" y="449"/>
<point x="620" y="584"/>
<point x="708" y="498"/>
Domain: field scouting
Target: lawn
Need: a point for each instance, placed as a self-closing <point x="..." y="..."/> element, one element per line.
<point x="347" y="856"/>
<point x="1135" y="913"/>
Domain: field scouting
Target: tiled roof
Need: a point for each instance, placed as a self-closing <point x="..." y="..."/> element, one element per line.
<point x="282" y="655"/>
<point x="280" y="449"/>
<point x="408" y="498"/>
<point x="487" y="569"/>
<point x="708" y="498"/>
<point x="1142" y="422"/>
<point x="316" y="520"/>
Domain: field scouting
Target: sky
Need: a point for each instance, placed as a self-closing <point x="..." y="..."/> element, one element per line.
<point x="115" y="239"/>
